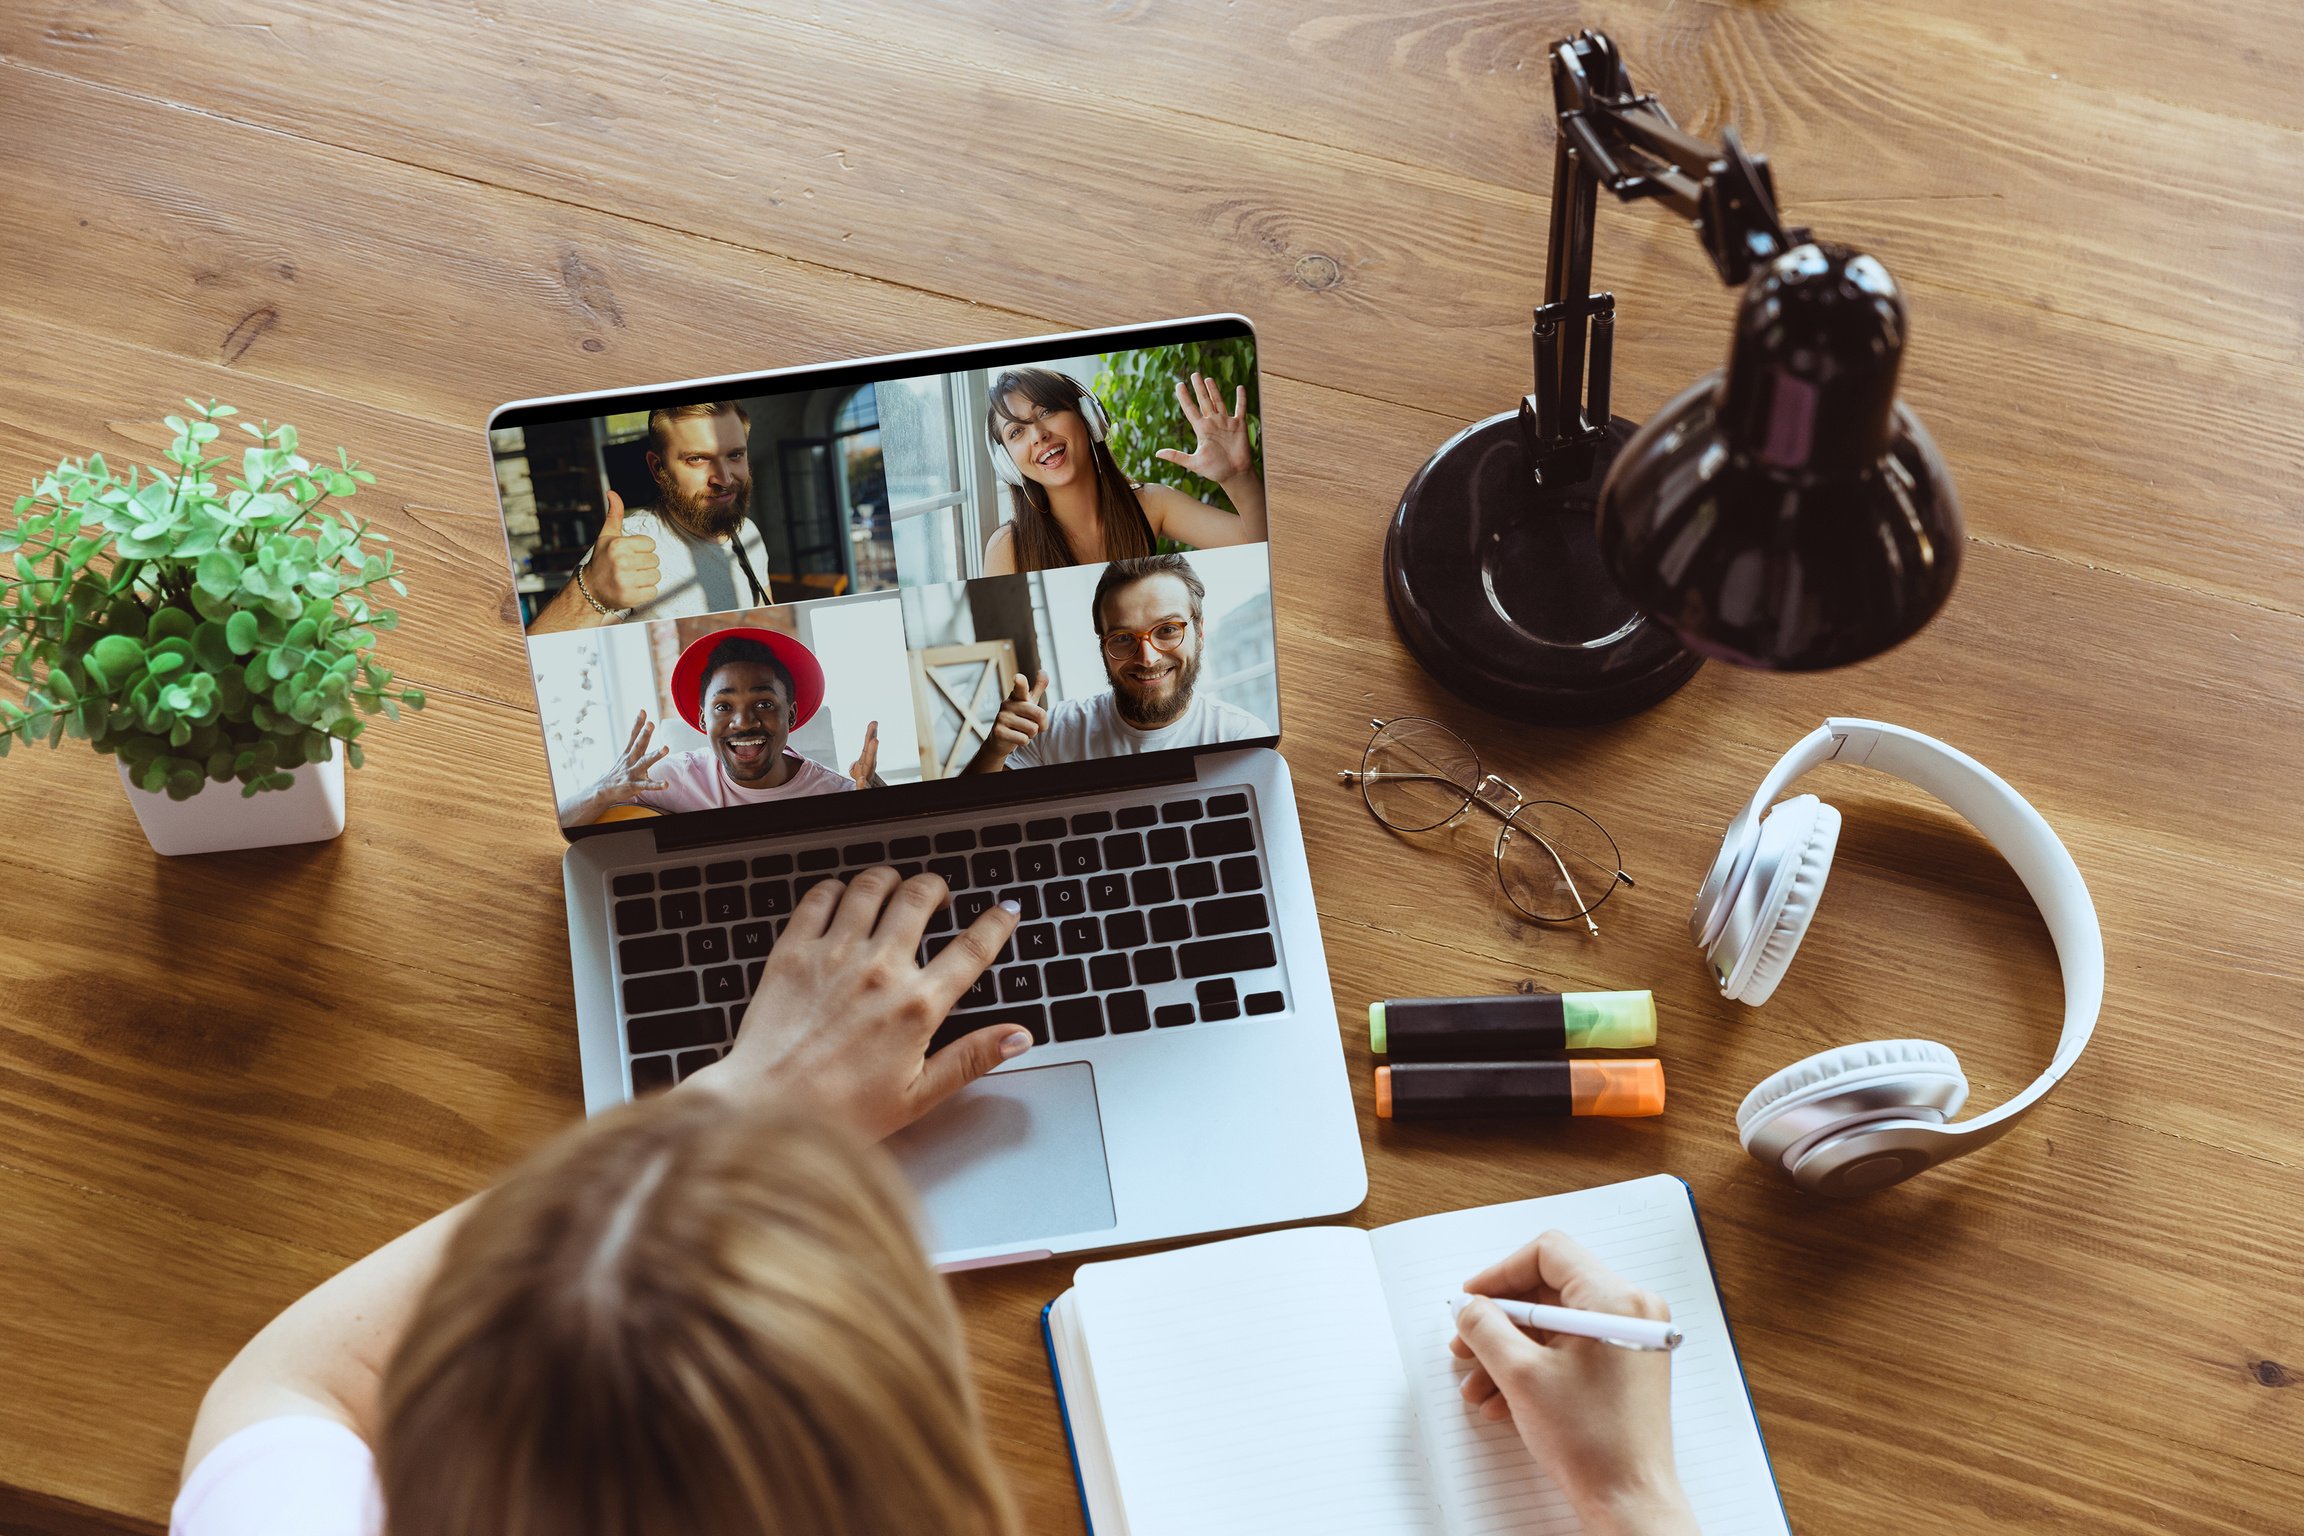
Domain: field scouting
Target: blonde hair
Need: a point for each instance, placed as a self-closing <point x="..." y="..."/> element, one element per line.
<point x="687" y="1317"/>
<point x="660" y="421"/>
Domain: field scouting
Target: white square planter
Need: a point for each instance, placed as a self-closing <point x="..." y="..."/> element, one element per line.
<point x="221" y="818"/>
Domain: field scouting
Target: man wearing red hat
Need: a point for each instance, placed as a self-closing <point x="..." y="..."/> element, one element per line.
<point x="747" y="690"/>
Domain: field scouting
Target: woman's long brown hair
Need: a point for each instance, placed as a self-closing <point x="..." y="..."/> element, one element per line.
<point x="1040" y="543"/>
<point x="688" y="1318"/>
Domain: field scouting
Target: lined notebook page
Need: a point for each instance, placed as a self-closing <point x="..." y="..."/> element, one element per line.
<point x="1254" y="1386"/>
<point x="1644" y="1229"/>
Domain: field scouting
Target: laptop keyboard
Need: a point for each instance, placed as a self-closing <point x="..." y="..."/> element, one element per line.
<point x="1136" y="919"/>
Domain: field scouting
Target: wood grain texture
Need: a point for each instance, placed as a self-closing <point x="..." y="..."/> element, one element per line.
<point x="220" y="1080"/>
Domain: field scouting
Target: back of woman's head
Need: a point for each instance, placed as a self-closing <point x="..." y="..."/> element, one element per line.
<point x="1040" y="544"/>
<point x="687" y="1318"/>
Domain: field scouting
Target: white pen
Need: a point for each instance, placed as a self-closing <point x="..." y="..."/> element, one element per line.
<point x="1608" y="1327"/>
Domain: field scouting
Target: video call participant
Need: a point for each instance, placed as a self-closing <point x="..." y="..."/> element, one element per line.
<point x="1075" y="506"/>
<point x="1147" y="614"/>
<point x="697" y="551"/>
<point x="748" y="690"/>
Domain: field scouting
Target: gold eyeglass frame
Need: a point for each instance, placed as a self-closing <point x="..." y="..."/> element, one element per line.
<point x="1501" y="799"/>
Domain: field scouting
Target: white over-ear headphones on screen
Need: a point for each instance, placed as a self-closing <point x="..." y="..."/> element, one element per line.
<point x="1862" y="1117"/>
<point x="1004" y="463"/>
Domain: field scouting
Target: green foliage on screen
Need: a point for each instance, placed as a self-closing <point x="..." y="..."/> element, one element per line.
<point x="199" y="625"/>
<point x="1138" y="390"/>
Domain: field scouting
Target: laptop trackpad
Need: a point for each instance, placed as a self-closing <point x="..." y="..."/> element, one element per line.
<point x="1017" y="1157"/>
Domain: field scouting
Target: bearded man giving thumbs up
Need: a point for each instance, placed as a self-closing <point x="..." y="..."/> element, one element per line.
<point x="696" y="551"/>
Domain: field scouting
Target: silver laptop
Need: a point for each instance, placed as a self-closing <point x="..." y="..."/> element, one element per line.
<point x="784" y="627"/>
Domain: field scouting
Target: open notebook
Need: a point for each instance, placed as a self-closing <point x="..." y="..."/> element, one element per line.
<point x="1301" y="1380"/>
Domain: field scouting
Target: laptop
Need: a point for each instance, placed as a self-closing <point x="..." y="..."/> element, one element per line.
<point x="790" y="625"/>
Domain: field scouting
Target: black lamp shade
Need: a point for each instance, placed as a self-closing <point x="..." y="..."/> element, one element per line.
<point x="1791" y="515"/>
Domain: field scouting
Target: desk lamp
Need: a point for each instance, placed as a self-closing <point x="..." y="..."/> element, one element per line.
<point x="1565" y="565"/>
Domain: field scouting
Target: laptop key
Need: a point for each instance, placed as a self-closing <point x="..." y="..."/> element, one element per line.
<point x="691" y="1061"/>
<point x="751" y="985"/>
<point x="1064" y="898"/>
<point x="1212" y="839"/>
<point x="1004" y="834"/>
<point x="864" y="855"/>
<point x="1062" y="978"/>
<point x="650" y="1074"/>
<point x="1154" y="966"/>
<point x="1107" y="893"/>
<point x="1220" y="989"/>
<point x="1082" y="935"/>
<point x="971" y="905"/>
<point x="1020" y="984"/>
<point x="1194" y="881"/>
<point x="1123" y="850"/>
<point x="1079" y="857"/>
<point x="1033" y="1016"/>
<point x="958" y="840"/>
<point x="1027" y="899"/>
<point x="635" y="916"/>
<point x="1036" y="941"/>
<point x="1265" y="1002"/>
<point x="1228" y="805"/>
<point x="982" y="993"/>
<point x="1091" y="821"/>
<point x="1218" y="1013"/>
<point x="953" y="870"/>
<point x="769" y="865"/>
<point x="724" y="984"/>
<point x="753" y="940"/>
<point x="1128" y="1012"/>
<point x="908" y="848"/>
<point x="1124" y="930"/>
<point x="685" y="910"/>
<point x="661" y="953"/>
<point x="1138" y="815"/>
<point x="1171" y="925"/>
<point x="724" y="903"/>
<point x="1233" y="914"/>
<point x="1241" y="874"/>
<point x="1167" y="845"/>
<point x="1076" y="1018"/>
<point x="708" y="946"/>
<point x="1181" y="810"/>
<point x="772" y="898"/>
<point x="1036" y="861"/>
<point x="1107" y="973"/>
<point x="683" y="879"/>
<point x="992" y="867"/>
<point x="820" y="858"/>
<point x="940" y="920"/>
<point x="634" y="885"/>
<point x="1046" y="827"/>
<point x="803" y="884"/>
<point x="1150" y="887"/>
<point x="1174" y="1014"/>
<point x="654" y="994"/>
<point x="1224" y="957"/>
<point x="722" y="873"/>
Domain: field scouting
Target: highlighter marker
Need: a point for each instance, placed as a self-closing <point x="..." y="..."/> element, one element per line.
<point x="1522" y="1026"/>
<point x="1451" y="1090"/>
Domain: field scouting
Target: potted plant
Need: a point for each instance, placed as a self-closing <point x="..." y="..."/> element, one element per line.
<point x="204" y="629"/>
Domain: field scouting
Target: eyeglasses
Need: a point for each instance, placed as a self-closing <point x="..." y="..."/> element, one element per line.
<point x="1556" y="864"/>
<point x="1166" y="636"/>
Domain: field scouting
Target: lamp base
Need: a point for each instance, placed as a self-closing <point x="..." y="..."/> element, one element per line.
<point x="1497" y="586"/>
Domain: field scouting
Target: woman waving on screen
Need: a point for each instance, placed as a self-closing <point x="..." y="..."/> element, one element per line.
<point x="1073" y="505"/>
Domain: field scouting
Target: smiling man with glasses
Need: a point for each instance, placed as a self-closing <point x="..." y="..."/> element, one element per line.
<point x="1148" y="615"/>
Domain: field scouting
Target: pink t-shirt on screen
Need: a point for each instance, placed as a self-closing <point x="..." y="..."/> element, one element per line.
<point x="294" y="1476"/>
<point x="694" y="781"/>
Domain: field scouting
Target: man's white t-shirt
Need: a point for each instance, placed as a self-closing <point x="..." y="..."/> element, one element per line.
<point x="697" y="576"/>
<point x="1084" y="730"/>
<point x="294" y="1476"/>
<point x="695" y="781"/>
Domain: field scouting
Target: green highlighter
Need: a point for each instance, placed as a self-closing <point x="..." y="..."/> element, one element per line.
<point x="1521" y="1026"/>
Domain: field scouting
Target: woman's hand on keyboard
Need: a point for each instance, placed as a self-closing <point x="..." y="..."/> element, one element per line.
<point x="844" y="1011"/>
<point x="1596" y="1417"/>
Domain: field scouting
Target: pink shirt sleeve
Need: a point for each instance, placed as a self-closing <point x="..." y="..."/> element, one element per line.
<point x="295" y="1476"/>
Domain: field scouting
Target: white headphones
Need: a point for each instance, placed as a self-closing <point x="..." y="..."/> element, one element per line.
<point x="1862" y="1117"/>
<point x="1004" y="464"/>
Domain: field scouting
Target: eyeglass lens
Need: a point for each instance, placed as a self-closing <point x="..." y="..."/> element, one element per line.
<point x="1122" y="643"/>
<point x="1556" y="862"/>
<point x="1417" y="774"/>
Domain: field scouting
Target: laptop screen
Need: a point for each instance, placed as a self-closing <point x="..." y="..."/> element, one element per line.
<point x="999" y="560"/>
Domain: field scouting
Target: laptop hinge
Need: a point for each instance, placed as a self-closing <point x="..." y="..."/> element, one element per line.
<point x="902" y="802"/>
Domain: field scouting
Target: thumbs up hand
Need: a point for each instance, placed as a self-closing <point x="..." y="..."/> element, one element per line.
<point x="623" y="572"/>
<point x="1020" y="719"/>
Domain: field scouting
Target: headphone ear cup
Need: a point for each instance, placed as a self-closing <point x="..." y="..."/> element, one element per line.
<point x="1004" y="464"/>
<point x="1092" y="412"/>
<point x="1795" y="858"/>
<point x="1917" y="1075"/>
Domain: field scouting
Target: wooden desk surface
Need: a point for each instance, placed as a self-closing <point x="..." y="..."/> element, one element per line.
<point x="221" y="1080"/>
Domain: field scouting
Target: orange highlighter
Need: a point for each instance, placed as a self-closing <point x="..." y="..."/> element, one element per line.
<point x="1448" y="1090"/>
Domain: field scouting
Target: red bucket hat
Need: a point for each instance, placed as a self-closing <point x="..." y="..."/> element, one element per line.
<point x="807" y="672"/>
